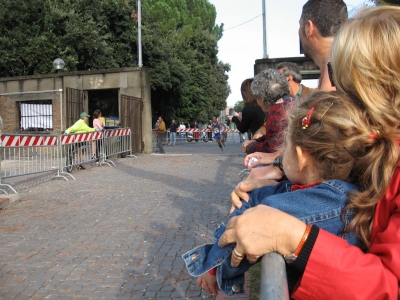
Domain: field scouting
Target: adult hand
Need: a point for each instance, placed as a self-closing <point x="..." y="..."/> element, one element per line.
<point x="257" y="135"/>
<point x="261" y="230"/>
<point x="244" y="187"/>
<point x="265" y="172"/>
<point x="245" y="143"/>
<point x="263" y="159"/>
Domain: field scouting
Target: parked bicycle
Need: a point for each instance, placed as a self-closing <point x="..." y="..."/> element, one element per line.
<point x="73" y="155"/>
<point x="72" y="158"/>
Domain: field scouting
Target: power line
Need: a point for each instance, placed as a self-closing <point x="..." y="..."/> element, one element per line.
<point x="243" y="23"/>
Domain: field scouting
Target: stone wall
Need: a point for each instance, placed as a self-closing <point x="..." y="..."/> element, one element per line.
<point x="130" y="81"/>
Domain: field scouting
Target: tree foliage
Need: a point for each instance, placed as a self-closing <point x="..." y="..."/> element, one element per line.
<point x="239" y="106"/>
<point x="179" y="43"/>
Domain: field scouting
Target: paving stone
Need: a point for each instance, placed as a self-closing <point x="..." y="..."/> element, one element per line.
<point x="117" y="233"/>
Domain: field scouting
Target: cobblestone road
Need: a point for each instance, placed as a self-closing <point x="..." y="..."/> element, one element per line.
<point x="117" y="233"/>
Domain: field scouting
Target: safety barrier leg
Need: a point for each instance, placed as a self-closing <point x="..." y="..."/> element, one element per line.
<point x="130" y="148"/>
<point x="3" y="184"/>
<point x="61" y="160"/>
<point x="103" y="160"/>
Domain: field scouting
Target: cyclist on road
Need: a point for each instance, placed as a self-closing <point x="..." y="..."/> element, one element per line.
<point x="80" y="126"/>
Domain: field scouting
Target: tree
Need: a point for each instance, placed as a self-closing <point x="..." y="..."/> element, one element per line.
<point x="187" y="80"/>
<point x="238" y="106"/>
<point x="179" y="42"/>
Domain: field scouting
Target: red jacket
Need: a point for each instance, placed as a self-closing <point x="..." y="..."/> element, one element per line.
<point x="275" y="123"/>
<point x="336" y="270"/>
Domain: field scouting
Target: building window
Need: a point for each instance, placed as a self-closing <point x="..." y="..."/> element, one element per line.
<point x="36" y="115"/>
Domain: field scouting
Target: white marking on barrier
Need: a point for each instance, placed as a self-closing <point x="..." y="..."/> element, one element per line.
<point x="10" y="141"/>
<point x="28" y="140"/>
<point x="118" y="132"/>
<point x="66" y="139"/>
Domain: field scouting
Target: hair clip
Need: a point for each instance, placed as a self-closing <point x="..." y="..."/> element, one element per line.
<point x="373" y="135"/>
<point x="306" y="121"/>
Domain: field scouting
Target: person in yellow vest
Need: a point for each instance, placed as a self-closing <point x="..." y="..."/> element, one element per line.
<point x="80" y="126"/>
<point x="160" y="134"/>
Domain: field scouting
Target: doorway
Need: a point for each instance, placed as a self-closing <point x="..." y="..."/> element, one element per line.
<point x="107" y="101"/>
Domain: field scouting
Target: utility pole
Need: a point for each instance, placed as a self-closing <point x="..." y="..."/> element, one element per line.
<point x="140" y="64"/>
<point x="265" y="54"/>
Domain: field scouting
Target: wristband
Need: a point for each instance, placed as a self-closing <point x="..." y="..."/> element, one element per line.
<point x="302" y="260"/>
<point x="213" y="272"/>
<point x="290" y="258"/>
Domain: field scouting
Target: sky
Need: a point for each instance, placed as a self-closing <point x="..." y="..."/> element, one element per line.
<point x="242" y="41"/>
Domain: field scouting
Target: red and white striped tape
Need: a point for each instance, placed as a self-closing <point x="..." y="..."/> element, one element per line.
<point x="117" y="132"/>
<point x="8" y="140"/>
<point x="188" y="130"/>
<point x="81" y="137"/>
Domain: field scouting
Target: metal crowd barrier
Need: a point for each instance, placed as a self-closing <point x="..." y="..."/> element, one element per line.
<point x="273" y="284"/>
<point x="118" y="141"/>
<point x="26" y="154"/>
<point x="79" y="148"/>
<point x="231" y="135"/>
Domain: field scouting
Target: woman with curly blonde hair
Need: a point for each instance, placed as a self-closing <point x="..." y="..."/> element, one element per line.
<point x="365" y="63"/>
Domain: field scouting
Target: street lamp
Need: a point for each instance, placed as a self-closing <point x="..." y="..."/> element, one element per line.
<point x="58" y="64"/>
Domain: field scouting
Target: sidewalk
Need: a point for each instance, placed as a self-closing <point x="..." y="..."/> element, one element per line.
<point x="117" y="233"/>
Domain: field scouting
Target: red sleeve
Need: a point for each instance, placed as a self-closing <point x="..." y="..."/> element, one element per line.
<point x="259" y="146"/>
<point x="336" y="268"/>
<point x="275" y="123"/>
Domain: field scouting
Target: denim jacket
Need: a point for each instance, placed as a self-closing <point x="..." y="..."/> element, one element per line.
<point x="321" y="205"/>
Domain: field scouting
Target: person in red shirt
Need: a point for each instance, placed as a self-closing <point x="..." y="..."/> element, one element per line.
<point x="271" y="89"/>
<point x="365" y="63"/>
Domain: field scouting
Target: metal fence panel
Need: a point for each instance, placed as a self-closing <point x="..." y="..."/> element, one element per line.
<point x="78" y="148"/>
<point x="25" y="154"/>
<point x="117" y="141"/>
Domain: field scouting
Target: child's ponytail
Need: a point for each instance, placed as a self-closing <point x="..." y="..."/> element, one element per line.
<point x="373" y="170"/>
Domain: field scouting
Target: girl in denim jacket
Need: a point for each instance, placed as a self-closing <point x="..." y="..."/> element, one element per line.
<point x="330" y="153"/>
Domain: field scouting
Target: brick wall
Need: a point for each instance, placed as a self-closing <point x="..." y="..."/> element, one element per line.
<point x="9" y="113"/>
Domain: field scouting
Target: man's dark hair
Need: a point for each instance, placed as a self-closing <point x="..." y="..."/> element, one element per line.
<point x="327" y="15"/>
<point x="290" y="68"/>
<point x="270" y="85"/>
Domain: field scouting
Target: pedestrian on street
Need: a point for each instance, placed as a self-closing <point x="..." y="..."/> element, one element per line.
<point x="80" y="126"/>
<point x="196" y="134"/>
<point x="209" y="127"/>
<point x="182" y="134"/>
<point x="99" y="126"/>
<point x="172" y="132"/>
<point x="160" y="134"/>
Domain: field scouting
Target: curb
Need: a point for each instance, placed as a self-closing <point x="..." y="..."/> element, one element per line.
<point x="9" y="200"/>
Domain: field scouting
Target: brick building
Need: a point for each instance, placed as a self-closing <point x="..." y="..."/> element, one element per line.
<point x="50" y="103"/>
